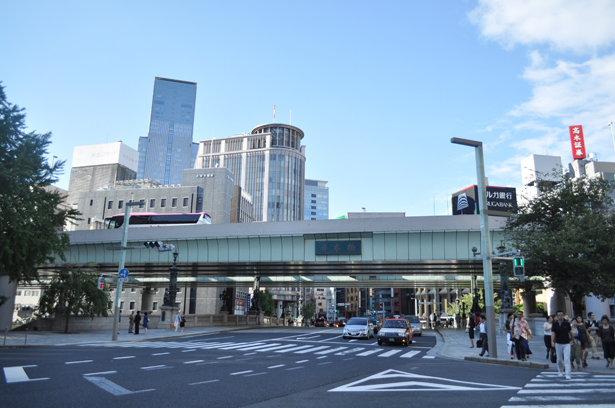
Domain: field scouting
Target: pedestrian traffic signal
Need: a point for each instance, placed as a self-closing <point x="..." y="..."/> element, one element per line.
<point x="101" y="282"/>
<point x="518" y="268"/>
<point x="159" y="245"/>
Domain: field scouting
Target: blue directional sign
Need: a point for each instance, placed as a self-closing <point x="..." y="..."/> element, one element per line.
<point x="123" y="273"/>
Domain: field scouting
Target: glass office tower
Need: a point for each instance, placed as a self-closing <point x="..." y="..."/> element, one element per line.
<point x="168" y="148"/>
<point x="316" y="205"/>
<point x="269" y="164"/>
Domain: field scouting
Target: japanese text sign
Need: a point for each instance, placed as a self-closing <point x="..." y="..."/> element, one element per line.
<point x="338" y="247"/>
<point x="577" y="142"/>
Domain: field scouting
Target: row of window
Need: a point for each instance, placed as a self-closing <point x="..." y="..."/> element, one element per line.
<point x="152" y="203"/>
<point x="28" y="293"/>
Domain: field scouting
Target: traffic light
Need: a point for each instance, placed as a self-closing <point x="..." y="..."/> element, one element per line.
<point x="159" y="245"/>
<point x="518" y="268"/>
<point x="101" y="282"/>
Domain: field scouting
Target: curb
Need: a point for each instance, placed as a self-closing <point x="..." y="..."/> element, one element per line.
<point x="514" y="363"/>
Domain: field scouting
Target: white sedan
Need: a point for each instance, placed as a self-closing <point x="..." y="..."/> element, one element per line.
<point x="358" y="327"/>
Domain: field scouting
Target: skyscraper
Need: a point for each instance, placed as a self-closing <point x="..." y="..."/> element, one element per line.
<point x="316" y="205"/>
<point x="269" y="164"/>
<point x="168" y="148"/>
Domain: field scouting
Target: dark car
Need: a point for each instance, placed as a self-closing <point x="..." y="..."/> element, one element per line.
<point x="320" y="322"/>
<point x="333" y="323"/>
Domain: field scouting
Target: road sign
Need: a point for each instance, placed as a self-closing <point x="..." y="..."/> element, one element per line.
<point x="122" y="279"/>
<point x="123" y="274"/>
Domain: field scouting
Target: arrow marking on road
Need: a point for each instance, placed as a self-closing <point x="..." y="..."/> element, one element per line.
<point x="112" y="387"/>
<point x="415" y="382"/>
<point x="18" y="374"/>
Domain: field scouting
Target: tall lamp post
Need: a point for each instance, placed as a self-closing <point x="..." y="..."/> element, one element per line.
<point x="610" y="124"/>
<point x="485" y="240"/>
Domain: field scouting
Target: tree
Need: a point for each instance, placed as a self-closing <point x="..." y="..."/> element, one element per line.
<point x="308" y="309"/>
<point x="267" y="303"/>
<point x="29" y="214"/>
<point x="567" y="236"/>
<point x="74" y="291"/>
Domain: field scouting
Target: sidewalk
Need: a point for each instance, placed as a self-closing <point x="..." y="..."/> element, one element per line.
<point x="456" y="345"/>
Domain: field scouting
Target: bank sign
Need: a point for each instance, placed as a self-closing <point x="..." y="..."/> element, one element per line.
<point x="500" y="201"/>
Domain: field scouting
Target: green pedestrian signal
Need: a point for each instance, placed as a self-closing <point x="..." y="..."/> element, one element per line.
<point x="518" y="267"/>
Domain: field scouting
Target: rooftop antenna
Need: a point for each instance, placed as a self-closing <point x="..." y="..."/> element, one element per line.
<point x="273" y="113"/>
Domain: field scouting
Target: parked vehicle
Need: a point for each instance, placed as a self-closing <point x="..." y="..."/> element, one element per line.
<point x="415" y="322"/>
<point x="395" y="331"/>
<point x="359" y="328"/>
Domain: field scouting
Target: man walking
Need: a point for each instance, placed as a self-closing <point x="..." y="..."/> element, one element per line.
<point x="483" y="336"/>
<point x="131" y="322"/>
<point x="561" y="337"/>
<point x="137" y="322"/>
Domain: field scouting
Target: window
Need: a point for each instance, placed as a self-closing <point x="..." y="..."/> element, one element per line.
<point x="120" y="204"/>
<point x="313" y="195"/>
<point x="163" y="202"/>
<point x="89" y="220"/>
<point x="141" y="205"/>
<point x="313" y="218"/>
<point x="313" y="201"/>
<point x="313" y="207"/>
<point x="174" y="202"/>
<point x="110" y="205"/>
<point x="152" y="203"/>
<point x="155" y="306"/>
<point x="19" y="293"/>
<point x="313" y="213"/>
<point x="132" y="305"/>
<point x="185" y="202"/>
<point x="35" y="293"/>
<point x="91" y="203"/>
<point x="133" y="290"/>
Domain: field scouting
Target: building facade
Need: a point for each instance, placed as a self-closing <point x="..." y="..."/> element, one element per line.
<point x="316" y="205"/>
<point x="269" y="164"/>
<point x="168" y="148"/>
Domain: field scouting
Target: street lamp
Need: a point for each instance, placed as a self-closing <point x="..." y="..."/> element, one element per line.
<point x="610" y="124"/>
<point x="485" y="239"/>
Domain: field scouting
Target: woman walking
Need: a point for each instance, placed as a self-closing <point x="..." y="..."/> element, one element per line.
<point x="547" y="330"/>
<point x="509" y="343"/>
<point x="584" y="339"/>
<point x="576" y="351"/>
<point x="471" y="329"/>
<point x="177" y="320"/>
<point x="607" y="334"/>
<point x="145" y="322"/>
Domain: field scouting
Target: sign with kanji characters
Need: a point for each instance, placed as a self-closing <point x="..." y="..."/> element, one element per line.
<point x="338" y="247"/>
<point x="500" y="201"/>
<point x="577" y="142"/>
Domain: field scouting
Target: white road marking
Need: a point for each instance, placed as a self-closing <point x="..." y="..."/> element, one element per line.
<point x="277" y="366"/>
<point x="18" y="374"/>
<point x="250" y="354"/>
<point x="551" y="406"/>
<point x="302" y="361"/>
<point x="548" y="399"/>
<point x="236" y="346"/>
<point x="346" y="359"/>
<point x="258" y="347"/>
<point x="311" y="337"/>
<point x="367" y="353"/>
<point x="294" y="368"/>
<point x="429" y="356"/>
<point x="78" y="362"/>
<point x="276" y="348"/>
<point x="318" y="358"/>
<point x="188" y="351"/>
<point x="252" y="375"/>
<point x="410" y="354"/>
<point x="161" y="354"/>
<point x="311" y="350"/>
<point x="565" y="391"/>
<point x="123" y="358"/>
<point x="354" y="350"/>
<point x="242" y="372"/>
<point x="192" y="362"/>
<point x="156" y="367"/>
<point x="554" y="384"/>
<point x="209" y="362"/>
<point x="331" y="351"/>
<point x="102" y="373"/>
<point x="225" y="357"/>
<point x="389" y="353"/>
<point x="292" y="349"/>
<point x="112" y="387"/>
<point x="204" y="382"/>
<point x="326" y="362"/>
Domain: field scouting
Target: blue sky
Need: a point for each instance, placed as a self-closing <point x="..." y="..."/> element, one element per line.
<point x="379" y="88"/>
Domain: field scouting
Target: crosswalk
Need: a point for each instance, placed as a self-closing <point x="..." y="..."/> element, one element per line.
<point x="266" y="347"/>
<point x="549" y="389"/>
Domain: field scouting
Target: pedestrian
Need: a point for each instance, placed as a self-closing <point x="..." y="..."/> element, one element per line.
<point x="576" y="351"/>
<point x="137" y="322"/>
<point x="583" y="337"/>
<point x="177" y="320"/>
<point x="561" y="339"/>
<point x="547" y="329"/>
<point x="182" y="322"/>
<point x="607" y="334"/>
<point x="145" y="322"/>
<point x="431" y="320"/>
<point x="131" y="322"/>
<point x="509" y="342"/>
<point x="464" y="320"/>
<point x="471" y="330"/>
<point x="520" y="332"/>
<point x="592" y="328"/>
<point x="483" y="336"/>
<point x="119" y="320"/>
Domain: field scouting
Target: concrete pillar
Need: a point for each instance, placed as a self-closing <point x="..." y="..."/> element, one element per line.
<point x="279" y="308"/>
<point x="8" y="290"/>
<point x="529" y="302"/>
<point x="597" y="306"/>
<point x="147" y="299"/>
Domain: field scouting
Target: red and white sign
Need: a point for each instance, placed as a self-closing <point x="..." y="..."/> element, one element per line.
<point x="577" y="142"/>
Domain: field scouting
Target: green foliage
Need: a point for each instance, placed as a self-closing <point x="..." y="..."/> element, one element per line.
<point x="308" y="309"/>
<point x="267" y="303"/>
<point x="74" y="291"/>
<point x="567" y="236"/>
<point x="29" y="216"/>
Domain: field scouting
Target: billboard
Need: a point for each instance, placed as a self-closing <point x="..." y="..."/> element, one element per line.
<point x="108" y="153"/>
<point x="500" y="201"/>
<point x="577" y="142"/>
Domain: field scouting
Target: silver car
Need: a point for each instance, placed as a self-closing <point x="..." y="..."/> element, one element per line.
<point x="358" y="327"/>
<point x="415" y="322"/>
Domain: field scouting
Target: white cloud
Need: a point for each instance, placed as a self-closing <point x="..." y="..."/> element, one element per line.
<point x="565" y="25"/>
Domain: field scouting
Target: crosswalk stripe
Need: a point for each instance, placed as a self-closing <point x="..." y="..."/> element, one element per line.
<point x="566" y="391"/>
<point x="331" y="351"/>
<point x="311" y="350"/>
<point x="410" y="354"/>
<point x="292" y="349"/>
<point x="547" y="399"/>
<point x="367" y="353"/>
<point x="354" y="350"/>
<point x="240" y="345"/>
<point x="389" y="353"/>
<point x="276" y="348"/>
<point x="257" y="347"/>
<point x="569" y="384"/>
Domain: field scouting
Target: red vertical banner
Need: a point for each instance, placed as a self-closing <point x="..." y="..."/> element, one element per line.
<point x="577" y="142"/>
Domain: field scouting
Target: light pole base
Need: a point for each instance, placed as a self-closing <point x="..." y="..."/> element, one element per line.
<point x="167" y="314"/>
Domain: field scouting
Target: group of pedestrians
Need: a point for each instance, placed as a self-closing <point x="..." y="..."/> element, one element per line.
<point x="134" y="322"/>
<point x="518" y="333"/>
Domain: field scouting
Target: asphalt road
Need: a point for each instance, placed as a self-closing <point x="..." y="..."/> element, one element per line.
<point x="258" y="368"/>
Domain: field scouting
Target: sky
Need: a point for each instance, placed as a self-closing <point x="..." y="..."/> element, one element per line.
<point x="379" y="88"/>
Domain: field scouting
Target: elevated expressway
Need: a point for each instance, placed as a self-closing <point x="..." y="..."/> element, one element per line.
<point x="395" y="252"/>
